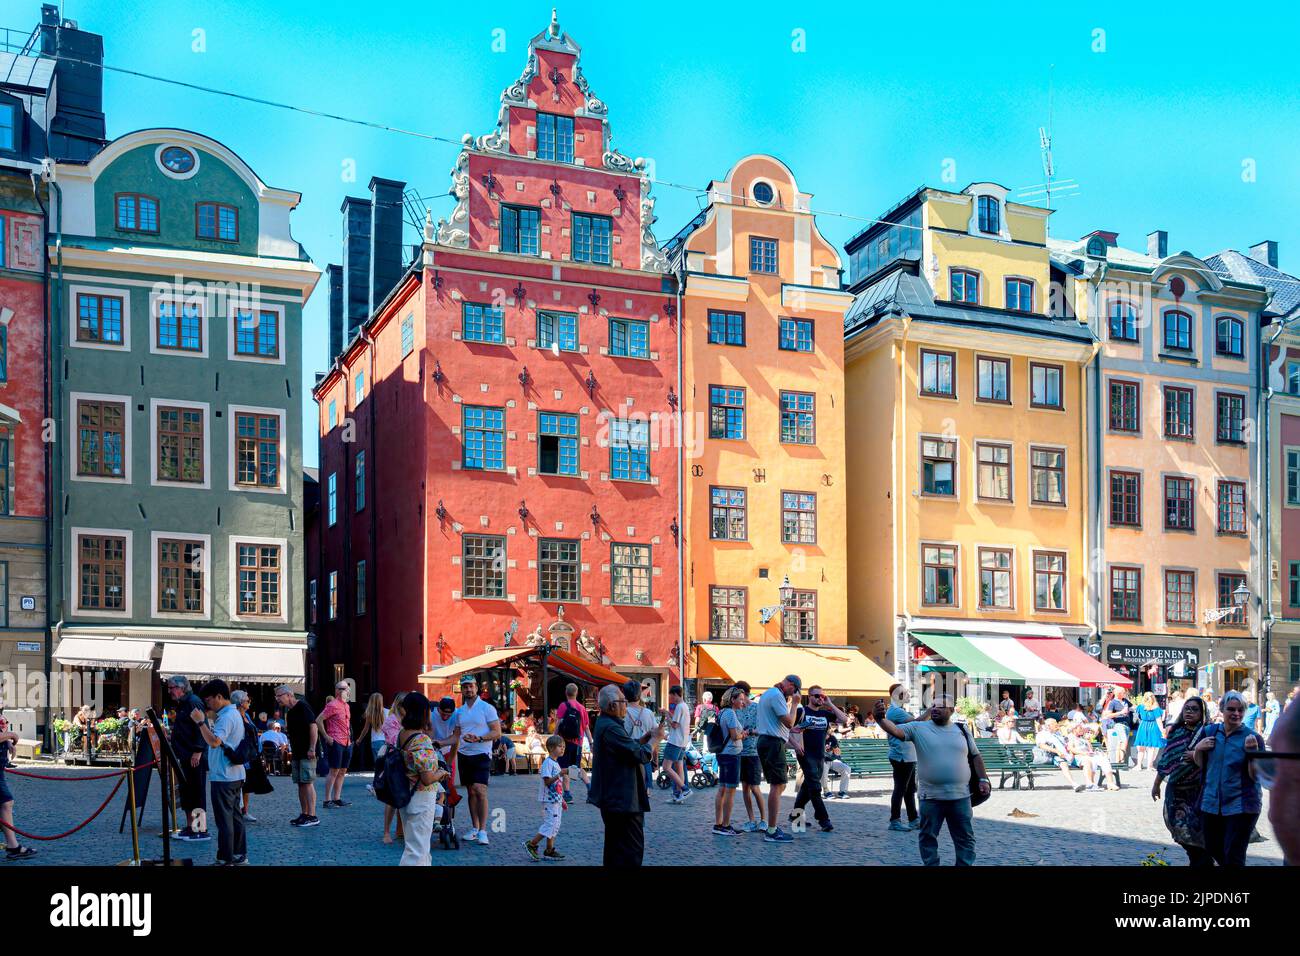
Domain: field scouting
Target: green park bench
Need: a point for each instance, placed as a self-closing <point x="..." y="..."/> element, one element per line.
<point x="1016" y="761"/>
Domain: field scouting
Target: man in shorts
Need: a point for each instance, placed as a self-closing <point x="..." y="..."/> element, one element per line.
<point x="335" y="724"/>
<point x="476" y="725"/>
<point x="674" y="749"/>
<point x="300" y="721"/>
<point x="776" y="714"/>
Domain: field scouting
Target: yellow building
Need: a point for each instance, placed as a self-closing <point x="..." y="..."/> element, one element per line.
<point x="966" y="405"/>
<point x="1174" y="461"/>
<point x="765" y="482"/>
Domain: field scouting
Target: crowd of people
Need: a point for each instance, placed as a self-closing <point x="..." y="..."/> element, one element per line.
<point x="1210" y="758"/>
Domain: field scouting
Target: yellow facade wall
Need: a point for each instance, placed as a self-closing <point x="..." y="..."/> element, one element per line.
<point x="806" y="287"/>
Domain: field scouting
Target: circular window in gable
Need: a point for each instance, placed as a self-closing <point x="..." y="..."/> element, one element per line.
<point x="763" y="194"/>
<point x="177" y="161"/>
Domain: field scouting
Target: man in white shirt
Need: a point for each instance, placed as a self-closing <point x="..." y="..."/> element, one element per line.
<point x="640" y="720"/>
<point x="674" y="749"/>
<point x="1031" y="708"/>
<point x="475" y="725"/>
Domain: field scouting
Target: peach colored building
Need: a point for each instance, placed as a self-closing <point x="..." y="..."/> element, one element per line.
<point x="1176" y="512"/>
<point x="763" y="400"/>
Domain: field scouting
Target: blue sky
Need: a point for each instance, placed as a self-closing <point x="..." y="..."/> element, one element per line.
<point x="1176" y="117"/>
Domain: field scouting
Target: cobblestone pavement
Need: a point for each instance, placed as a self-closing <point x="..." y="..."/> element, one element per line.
<point x="1059" y="828"/>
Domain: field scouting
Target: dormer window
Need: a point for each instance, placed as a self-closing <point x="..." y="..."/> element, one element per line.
<point x="8" y="127"/>
<point x="1097" y="247"/>
<point x="990" y="215"/>
<point x="555" y="137"/>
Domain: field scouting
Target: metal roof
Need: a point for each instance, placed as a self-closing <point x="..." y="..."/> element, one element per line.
<point x="1283" y="287"/>
<point x="30" y="73"/>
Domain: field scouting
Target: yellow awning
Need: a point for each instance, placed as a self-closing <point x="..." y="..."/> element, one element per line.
<point x="439" y="675"/>
<point x="837" y="670"/>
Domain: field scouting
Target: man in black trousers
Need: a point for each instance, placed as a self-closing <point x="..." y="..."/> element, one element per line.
<point x="192" y="753"/>
<point x="618" y="779"/>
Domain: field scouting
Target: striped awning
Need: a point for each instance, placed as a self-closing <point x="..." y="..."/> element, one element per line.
<point x="1007" y="659"/>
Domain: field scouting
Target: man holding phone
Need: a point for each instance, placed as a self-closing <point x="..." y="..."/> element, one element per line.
<point x="776" y="715"/>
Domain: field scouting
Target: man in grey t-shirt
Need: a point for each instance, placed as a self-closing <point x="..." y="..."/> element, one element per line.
<point x="776" y="712"/>
<point x="945" y="754"/>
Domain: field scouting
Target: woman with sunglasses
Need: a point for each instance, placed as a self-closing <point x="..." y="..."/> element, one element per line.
<point x="1231" y="798"/>
<point x="1182" y="780"/>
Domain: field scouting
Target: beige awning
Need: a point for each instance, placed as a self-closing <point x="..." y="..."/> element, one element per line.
<point x="114" y="652"/>
<point x="439" y="675"/>
<point x="243" y="663"/>
<point x="844" y="671"/>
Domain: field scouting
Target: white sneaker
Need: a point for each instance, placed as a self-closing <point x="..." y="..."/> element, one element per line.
<point x="471" y="836"/>
<point x="482" y="838"/>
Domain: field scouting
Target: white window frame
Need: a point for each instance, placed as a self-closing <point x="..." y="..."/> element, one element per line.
<point x="181" y="298"/>
<point x="206" y="560"/>
<point x="256" y="305"/>
<point x="128" y="406"/>
<point x="232" y="471"/>
<point x="74" y="570"/>
<point x="118" y="292"/>
<point x="154" y="404"/>
<point x="232" y="571"/>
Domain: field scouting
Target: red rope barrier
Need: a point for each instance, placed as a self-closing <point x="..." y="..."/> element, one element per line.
<point x="68" y="833"/>
<point x="78" y="778"/>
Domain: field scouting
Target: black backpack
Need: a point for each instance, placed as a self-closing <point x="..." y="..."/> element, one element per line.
<point x="391" y="785"/>
<point x="245" y="751"/>
<point x="716" y="736"/>
<point x="570" y="725"/>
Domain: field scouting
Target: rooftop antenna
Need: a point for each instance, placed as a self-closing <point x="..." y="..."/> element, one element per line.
<point x="1045" y="141"/>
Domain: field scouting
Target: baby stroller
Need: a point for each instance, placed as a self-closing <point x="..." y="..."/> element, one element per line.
<point x="700" y="771"/>
<point x="447" y="800"/>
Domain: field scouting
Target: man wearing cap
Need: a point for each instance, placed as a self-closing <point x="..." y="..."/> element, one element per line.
<point x="776" y="713"/>
<point x="300" y="721"/>
<point x="225" y="778"/>
<point x="192" y="754"/>
<point x="476" y="724"/>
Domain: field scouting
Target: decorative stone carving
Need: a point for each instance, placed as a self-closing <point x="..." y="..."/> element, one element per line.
<point x="454" y="231"/>
<point x="613" y="159"/>
<point x="653" y="259"/>
<point x="535" y="638"/>
<point x="517" y="92"/>
<point x="594" y="105"/>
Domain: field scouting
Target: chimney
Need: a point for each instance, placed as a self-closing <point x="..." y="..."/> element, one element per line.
<point x="356" y="265"/>
<point x="1158" y="244"/>
<point x="386" y="237"/>
<point x="334" y="279"/>
<point x="1265" y="252"/>
<point x="76" y="130"/>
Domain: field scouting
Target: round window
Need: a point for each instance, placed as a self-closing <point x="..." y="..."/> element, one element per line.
<point x="763" y="193"/>
<point x="177" y="159"/>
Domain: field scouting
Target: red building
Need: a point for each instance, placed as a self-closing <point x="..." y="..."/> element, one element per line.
<point x="498" y="434"/>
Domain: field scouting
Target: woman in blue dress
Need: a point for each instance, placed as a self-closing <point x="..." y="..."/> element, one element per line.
<point x="1151" y="731"/>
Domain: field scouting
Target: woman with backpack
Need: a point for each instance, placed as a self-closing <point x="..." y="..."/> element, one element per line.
<point x="726" y="743"/>
<point x="256" y="782"/>
<point x="420" y="760"/>
<point x="1231" y="798"/>
<point x="392" y="726"/>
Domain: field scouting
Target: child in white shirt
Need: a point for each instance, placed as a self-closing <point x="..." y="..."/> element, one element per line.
<point x="550" y="793"/>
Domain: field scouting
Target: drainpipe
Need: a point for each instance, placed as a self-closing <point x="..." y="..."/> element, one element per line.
<point x="1264" y="640"/>
<point x="681" y="489"/>
<point x="48" y="489"/>
<point x="1096" y="441"/>
<point x="901" y="666"/>
<point x="372" y="573"/>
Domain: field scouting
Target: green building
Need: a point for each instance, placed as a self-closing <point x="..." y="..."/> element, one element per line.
<point x="176" y="314"/>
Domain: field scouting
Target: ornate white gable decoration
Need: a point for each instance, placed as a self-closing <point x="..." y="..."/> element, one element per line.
<point x="454" y="230"/>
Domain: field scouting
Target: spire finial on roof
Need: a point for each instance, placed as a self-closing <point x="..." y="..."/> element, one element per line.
<point x="554" y="30"/>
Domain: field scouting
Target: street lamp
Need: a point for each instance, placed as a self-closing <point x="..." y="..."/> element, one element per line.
<point x="1240" y="594"/>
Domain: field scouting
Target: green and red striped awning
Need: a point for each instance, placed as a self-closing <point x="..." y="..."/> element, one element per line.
<point x="1006" y="659"/>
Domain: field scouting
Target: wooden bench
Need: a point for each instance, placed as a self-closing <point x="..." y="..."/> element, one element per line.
<point x="1016" y="761"/>
<point x="866" y="757"/>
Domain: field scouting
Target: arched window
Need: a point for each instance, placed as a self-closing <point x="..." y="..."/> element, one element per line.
<point x="1178" y="331"/>
<point x="1229" y="337"/>
<point x="1097" y="247"/>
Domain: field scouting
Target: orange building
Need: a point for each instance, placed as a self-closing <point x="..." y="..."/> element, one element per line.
<point x="764" y="466"/>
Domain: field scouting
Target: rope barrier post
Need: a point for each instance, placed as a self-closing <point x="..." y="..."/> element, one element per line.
<point x="135" y="822"/>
